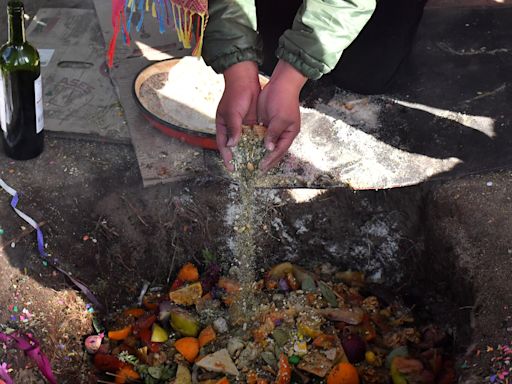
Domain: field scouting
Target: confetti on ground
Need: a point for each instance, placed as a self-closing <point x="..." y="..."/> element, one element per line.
<point x="501" y="370"/>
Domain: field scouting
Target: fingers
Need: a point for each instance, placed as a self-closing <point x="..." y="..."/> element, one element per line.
<point x="222" y="140"/>
<point x="279" y="144"/>
<point x="252" y="114"/>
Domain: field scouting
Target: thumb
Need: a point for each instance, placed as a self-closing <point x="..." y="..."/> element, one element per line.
<point x="272" y="136"/>
<point x="234" y="127"/>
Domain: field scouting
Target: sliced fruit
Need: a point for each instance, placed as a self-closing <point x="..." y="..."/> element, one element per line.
<point x="206" y="336"/>
<point x="158" y="334"/>
<point x="188" y="273"/>
<point x="126" y="375"/>
<point x="343" y="373"/>
<point x="188" y="347"/>
<point x="184" y="322"/>
<point x="120" y="334"/>
<point x="188" y="295"/>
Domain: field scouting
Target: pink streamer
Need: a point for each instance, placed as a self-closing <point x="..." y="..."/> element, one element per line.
<point x="4" y="374"/>
<point x="31" y="347"/>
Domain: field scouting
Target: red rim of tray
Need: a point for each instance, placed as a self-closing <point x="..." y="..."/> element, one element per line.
<point x="187" y="135"/>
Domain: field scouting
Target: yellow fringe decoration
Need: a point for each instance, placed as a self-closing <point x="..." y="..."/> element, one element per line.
<point x="147" y="5"/>
<point x="199" y="44"/>
<point x="184" y="24"/>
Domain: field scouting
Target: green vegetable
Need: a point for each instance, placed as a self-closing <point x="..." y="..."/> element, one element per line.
<point x="328" y="294"/>
<point x="184" y="323"/>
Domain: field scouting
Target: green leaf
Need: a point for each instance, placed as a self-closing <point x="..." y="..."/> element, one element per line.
<point x="328" y="294"/>
<point x="281" y="336"/>
<point x="269" y="358"/>
<point x="308" y="284"/>
<point x="155" y="372"/>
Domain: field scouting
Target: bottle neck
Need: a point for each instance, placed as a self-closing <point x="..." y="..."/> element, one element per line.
<point x="16" y="21"/>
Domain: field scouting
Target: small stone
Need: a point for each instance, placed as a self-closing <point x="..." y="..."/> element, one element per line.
<point x="331" y="354"/>
<point x="219" y="361"/>
<point x="234" y="345"/>
<point x="250" y="167"/>
<point x="248" y="355"/>
<point x="220" y="325"/>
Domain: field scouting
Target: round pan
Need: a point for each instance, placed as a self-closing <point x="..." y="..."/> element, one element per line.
<point x="187" y="135"/>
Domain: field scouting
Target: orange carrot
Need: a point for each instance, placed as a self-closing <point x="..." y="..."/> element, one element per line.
<point x="224" y="380"/>
<point x="284" y="375"/>
<point x="120" y="334"/>
<point x="343" y="373"/>
<point x="188" y="347"/>
<point x="188" y="273"/>
<point x="135" y="312"/>
<point x="252" y="377"/>
<point x="206" y="336"/>
<point x="126" y="374"/>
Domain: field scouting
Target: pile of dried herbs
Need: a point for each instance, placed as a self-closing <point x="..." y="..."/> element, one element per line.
<point x="305" y="327"/>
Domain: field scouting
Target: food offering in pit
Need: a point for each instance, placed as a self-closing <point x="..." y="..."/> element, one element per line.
<point x="305" y="327"/>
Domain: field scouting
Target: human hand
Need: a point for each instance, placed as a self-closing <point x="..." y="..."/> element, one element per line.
<point x="278" y="109"/>
<point x="237" y="106"/>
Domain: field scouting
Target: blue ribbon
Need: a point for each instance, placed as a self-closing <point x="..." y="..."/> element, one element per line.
<point x="40" y="243"/>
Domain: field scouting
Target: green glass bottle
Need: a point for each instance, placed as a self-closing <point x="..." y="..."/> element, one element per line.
<point x="21" y="104"/>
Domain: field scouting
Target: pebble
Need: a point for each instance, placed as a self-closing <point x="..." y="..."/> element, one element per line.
<point x="219" y="361"/>
<point x="248" y="355"/>
<point x="331" y="354"/>
<point x="220" y="325"/>
<point x="234" y="345"/>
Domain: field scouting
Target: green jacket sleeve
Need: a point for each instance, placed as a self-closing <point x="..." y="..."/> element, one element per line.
<point x="230" y="35"/>
<point x="322" y="29"/>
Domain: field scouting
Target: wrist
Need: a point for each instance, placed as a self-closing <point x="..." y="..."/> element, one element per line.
<point x="246" y="71"/>
<point x="287" y="75"/>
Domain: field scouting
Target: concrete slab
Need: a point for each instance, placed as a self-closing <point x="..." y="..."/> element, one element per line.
<point x="78" y="96"/>
<point x="161" y="159"/>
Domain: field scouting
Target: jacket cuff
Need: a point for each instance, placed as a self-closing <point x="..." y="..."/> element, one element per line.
<point x="227" y="59"/>
<point x="301" y="61"/>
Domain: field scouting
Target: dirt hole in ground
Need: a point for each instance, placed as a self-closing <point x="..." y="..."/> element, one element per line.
<point x="386" y="234"/>
<point x="389" y="235"/>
